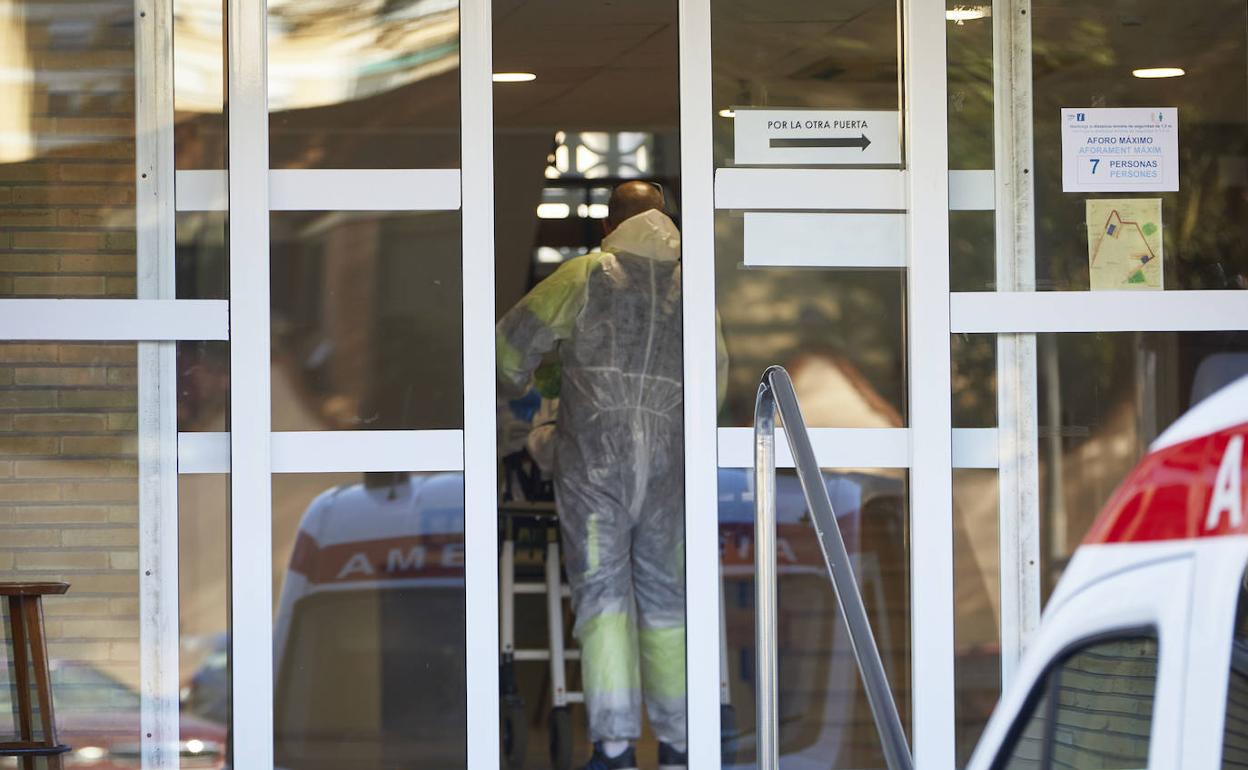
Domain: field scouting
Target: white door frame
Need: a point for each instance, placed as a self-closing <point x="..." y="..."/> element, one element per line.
<point x="929" y="447"/>
<point x="925" y="447"/>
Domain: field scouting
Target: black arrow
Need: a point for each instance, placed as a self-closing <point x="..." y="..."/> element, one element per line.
<point x="861" y="142"/>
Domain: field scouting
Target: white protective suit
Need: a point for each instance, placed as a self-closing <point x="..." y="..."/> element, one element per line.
<point x="614" y="316"/>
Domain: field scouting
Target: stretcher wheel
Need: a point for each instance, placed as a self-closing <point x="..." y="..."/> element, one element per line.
<point x="727" y="734"/>
<point x="560" y="738"/>
<point x="515" y="733"/>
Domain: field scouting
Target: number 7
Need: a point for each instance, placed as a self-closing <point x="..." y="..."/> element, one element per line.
<point x="1095" y="163"/>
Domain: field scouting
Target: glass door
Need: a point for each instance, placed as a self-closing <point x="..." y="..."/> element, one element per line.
<point x="823" y="237"/>
<point x="115" y="331"/>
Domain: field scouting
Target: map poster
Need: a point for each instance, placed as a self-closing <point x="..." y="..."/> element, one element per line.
<point x="1124" y="243"/>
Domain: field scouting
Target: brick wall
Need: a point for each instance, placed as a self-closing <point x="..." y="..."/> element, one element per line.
<point x="68" y="493"/>
<point x="67" y="213"/>
<point x="68" y="482"/>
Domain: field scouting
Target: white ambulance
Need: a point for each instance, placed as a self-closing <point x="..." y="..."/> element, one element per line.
<point x="1141" y="658"/>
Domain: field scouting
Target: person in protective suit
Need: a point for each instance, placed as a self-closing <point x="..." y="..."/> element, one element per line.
<point x="614" y="318"/>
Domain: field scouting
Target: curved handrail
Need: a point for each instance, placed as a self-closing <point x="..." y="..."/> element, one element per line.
<point x="776" y="391"/>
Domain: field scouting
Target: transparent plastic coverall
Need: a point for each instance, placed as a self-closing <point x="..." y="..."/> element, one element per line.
<point x="615" y="318"/>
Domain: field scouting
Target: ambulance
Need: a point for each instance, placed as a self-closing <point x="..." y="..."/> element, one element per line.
<point x="1141" y="657"/>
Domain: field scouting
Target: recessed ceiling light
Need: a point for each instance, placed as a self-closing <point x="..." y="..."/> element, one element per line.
<point x="553" y="211"/>
<point x="514" y="77"/>
<point x="1159" y="72"/>
<point x="727" y="113"/>
<point x="964" y="13"/>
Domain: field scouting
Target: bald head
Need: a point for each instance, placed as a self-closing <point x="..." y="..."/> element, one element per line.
<point x="630" y="199"/>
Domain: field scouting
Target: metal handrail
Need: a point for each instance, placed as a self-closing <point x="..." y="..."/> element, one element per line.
<point x="776" y="390"/>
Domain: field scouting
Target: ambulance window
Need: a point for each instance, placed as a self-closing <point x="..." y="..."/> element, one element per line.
<point x="1235" y="729"/>
<point x="1093" y="709"/>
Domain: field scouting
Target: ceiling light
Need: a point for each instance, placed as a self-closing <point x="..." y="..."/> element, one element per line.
<point x="514" y="77"/>
<point x="727" y="113"/>
<point x="964" y="13"/>
<point x="553" y="211"/>
<point x="1159" y="72"/>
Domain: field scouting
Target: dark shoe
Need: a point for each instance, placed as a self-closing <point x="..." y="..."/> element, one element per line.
<point x="627" y="760"/>
<point x="671" y="759"/>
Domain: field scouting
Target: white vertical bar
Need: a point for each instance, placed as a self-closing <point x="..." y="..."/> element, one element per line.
<point x="480" y="482"/>
<point x="1018" y="474"/>
<point x="157" y="388"/>
<point x="701" y="438"/>
<point x="251" y="500"/>
<point x="931" y="493"/>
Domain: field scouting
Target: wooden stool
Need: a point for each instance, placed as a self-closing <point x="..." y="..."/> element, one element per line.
<point x="30" y="650"/>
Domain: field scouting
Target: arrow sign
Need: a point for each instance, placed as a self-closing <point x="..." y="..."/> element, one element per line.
<point x="861" y="142"/>
<point x="798" y="136"/>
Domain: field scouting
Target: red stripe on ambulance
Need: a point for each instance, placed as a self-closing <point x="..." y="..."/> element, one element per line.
<point x="1188" y="490"/>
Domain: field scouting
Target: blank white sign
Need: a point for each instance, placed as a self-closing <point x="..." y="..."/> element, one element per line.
<point x="790" y="239"/>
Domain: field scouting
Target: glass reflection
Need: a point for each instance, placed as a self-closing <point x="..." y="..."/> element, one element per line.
<point x="977" y="605"/>
<point x="824" y="715"/>
<point x="801" y="53"/>
<point x="1103" y="398"/>
<point x="369" y="621"/>
<point x="364" y="84"/>
<point x="366" y="321"/>
<point x="1084" y="56"/>
<point x="203" y="612"/>
<point x="839" y="332"/>
<point x="67" y="163"/>
<point x="589" y="295"/>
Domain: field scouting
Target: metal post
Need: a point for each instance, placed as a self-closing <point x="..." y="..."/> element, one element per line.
<point x="1017" y="425"/>
<point x="251" y="492"/>
<point x="766" y="693"/>
<point x="157" y="388"/>
<point x="554" y="624"/>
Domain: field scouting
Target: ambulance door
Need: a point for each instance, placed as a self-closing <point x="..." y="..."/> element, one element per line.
<point x="1102" y="684"/>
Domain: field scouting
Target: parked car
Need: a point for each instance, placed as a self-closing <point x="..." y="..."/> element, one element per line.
<point x="97" y="716"/>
